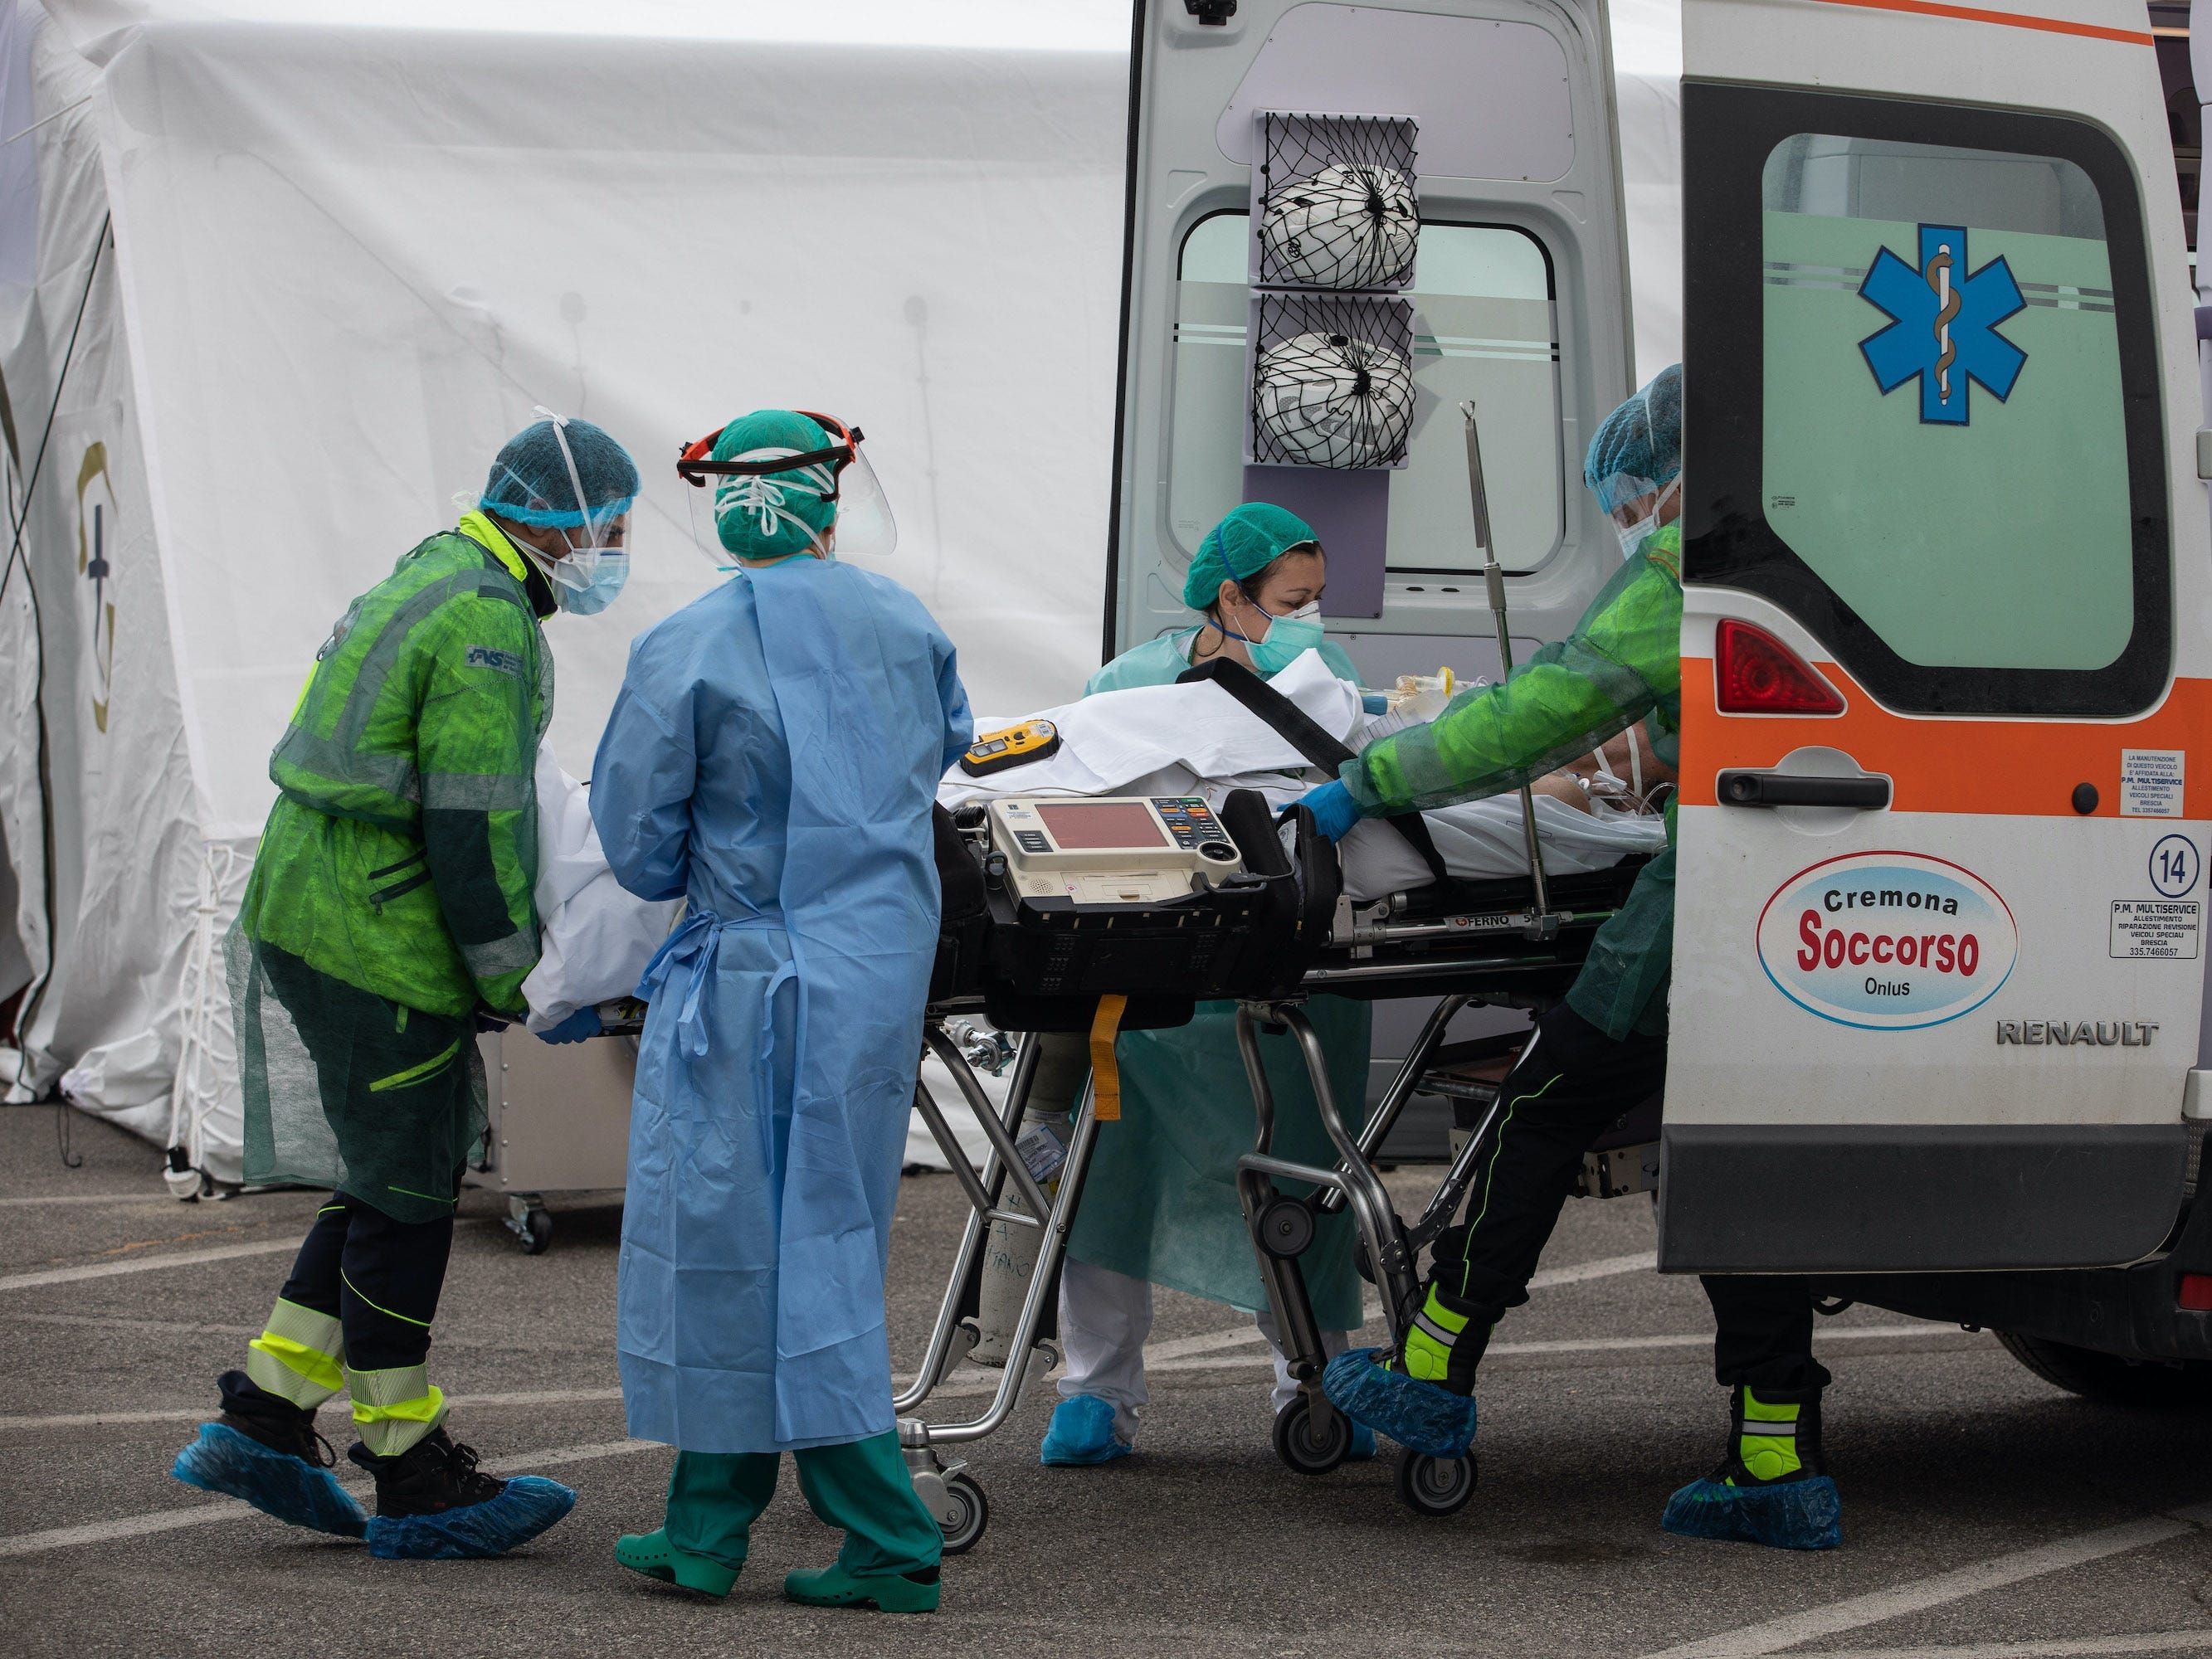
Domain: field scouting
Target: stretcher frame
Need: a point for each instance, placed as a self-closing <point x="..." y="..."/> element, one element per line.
<point x="1471" y="954"/>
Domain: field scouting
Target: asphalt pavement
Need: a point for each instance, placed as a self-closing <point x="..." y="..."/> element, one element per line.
<point x="1986" y="1514"/>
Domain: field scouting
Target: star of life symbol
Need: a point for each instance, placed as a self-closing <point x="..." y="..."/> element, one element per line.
<point x="1943" y="325"/>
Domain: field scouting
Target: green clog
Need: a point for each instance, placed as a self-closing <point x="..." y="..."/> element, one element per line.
<point x="652" y="1554"/>
<point x="833" y="1587"/>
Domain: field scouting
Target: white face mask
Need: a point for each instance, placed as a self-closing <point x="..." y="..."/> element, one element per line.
<point x="1632" y="536"/>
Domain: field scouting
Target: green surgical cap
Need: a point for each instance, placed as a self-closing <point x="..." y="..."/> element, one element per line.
<point x="1252" y="537"/>
<point x="779" y="513"/>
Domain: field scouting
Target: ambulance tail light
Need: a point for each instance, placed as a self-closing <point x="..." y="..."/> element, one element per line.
<point x="2195" y="1292"/>
<point x="1755" y="673"/>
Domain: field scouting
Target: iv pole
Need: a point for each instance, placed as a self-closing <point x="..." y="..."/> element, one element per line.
<point x="1542" y="922"/>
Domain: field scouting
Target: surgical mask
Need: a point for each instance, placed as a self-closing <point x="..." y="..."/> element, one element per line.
<point x="1285" y="639"/>
<point x="1632" y="536"/>
<point x="585" y="581"/>
<point x="590" y="588"/>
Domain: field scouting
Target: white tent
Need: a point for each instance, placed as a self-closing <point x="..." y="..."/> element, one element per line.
<point x="295" y="281"/>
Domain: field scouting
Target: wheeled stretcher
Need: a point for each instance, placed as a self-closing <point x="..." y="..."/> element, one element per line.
<point x="1276" y="933"/>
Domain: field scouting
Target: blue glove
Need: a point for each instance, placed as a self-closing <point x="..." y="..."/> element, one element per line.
<point x="584" y="1023"/>
<point x="1334" y="810"/>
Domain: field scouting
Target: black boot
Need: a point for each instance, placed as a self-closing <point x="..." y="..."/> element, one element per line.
<point x="1773" y="1486"/>
<point x="265" y="1450"/>
<point x="273" y="1421"/>
<point x="430" y="1477"/>
<point x="432" y="1505"/>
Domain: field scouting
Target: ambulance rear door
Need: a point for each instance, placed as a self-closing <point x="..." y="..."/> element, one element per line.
<point x="1504" y="111"/>
<point x="1518" y="300"/>
<point x="1940" y="941"/>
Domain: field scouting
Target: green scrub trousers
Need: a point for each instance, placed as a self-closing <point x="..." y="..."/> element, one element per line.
<point x="861" y="1487"/>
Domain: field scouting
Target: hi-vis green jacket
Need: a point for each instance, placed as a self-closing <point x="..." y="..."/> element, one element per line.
<point x="401" y="854"/>
<point x="1622" y="664"/>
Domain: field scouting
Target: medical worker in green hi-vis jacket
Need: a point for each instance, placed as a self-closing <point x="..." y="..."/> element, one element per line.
<point x="390" y="906"/>
<point x="1160" y="1205"/>
<point x="1601" y="1051"/>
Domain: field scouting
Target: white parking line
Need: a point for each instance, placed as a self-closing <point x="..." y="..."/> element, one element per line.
<point x="1603" y="1268"/>
<point x="977" y="1380"/>
<point x="143" y="1264"/>
<point x="1854" y="1613"/>
<point x="88" y="1198"/>
<point x="229" y="1509"/>
<point x="2162" y="1640"/>
<point x="1183" y="1354"/>
<point x="202" y="1413"/>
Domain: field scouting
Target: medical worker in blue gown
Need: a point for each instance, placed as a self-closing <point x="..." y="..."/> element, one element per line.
<point x="1160" y="1206"/>
<point x="772" y="760"/>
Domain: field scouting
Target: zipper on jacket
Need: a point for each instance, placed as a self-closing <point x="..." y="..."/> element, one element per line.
<point x="415" y="857"/>
<point x="383" y="895"/>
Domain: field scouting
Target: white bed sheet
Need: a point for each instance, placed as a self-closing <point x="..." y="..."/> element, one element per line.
<point x="1196" y="739"/>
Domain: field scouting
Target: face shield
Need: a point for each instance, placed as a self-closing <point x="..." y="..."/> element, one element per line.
<point x="1635" y="505"/>
<point x="764" y="481"/>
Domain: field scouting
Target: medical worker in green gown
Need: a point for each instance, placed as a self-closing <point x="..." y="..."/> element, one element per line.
<point x="1160" y="1205"/>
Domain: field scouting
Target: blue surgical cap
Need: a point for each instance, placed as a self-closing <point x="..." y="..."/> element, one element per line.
<point x="1252" y="537"/>
<point x="529" y="482"/>
<point x="1639" y="446"/>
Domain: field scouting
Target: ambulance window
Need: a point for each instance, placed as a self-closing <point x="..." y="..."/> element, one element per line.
<point x="1482" y="297"/>
<point x="1941" y="347"/>
<point x="1950" y="426"/>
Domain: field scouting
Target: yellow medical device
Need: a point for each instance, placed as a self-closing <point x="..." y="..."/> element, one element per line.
<point x="1016" y="745"/>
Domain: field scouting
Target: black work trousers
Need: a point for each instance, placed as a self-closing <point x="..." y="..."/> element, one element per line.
<point x="379" y="1279"/>
<point x="1567" y="1090"/>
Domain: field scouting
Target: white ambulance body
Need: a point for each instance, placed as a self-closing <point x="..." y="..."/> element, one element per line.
<point x="1940" y="948"/>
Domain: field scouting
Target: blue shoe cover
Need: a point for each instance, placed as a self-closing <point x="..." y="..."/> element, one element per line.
<point x="1081" y="1434"/>
<point x="529" y="1506"/>
<point x="290" y="1488"/>
<point x="1796" y="1514"/>
<point x="1363" y="1444"/>
<point x="1422" y="1417"/>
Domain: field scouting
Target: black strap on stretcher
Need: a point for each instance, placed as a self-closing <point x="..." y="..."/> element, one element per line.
<point x="1292" y="724"/>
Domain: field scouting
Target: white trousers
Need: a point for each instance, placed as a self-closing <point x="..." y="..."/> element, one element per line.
<point x="1104" y="1318"/>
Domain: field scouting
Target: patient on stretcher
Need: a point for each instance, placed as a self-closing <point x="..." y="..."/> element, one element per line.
<point x="1624" y="776"/>
<point x="1190" y="739"/>
<point x="1195" y="739"/>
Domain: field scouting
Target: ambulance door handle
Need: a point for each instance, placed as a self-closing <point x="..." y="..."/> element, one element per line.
<point x="1867" y="793"/>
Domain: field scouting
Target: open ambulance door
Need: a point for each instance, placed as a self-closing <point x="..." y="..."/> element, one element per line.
<point x="1517" y="300"/>
<point x="1503" y="111"/>
<point x="1940" y="942"/>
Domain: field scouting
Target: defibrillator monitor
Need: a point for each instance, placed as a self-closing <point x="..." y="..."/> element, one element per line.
<point x="1111" y="849"/>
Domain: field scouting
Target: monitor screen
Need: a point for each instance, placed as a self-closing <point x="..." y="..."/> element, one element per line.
<point x="1080" y="825"/>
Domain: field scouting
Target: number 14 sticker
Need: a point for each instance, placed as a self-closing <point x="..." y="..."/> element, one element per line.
<point x="2174" y="865"/>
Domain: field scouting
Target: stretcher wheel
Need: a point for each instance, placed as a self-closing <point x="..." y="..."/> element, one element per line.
<point x="531" y="1224"/>
<point x="1304" y="1447"/>
<point x="971" y="1514"/>
<point x="1286" y="1229"/>
<point x="1435" y="1487"/>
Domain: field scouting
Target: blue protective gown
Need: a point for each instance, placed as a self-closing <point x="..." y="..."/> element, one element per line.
<point x="772" y="758"/>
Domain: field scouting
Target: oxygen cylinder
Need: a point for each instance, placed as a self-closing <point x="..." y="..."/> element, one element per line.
<point x="1010" y="1252"/>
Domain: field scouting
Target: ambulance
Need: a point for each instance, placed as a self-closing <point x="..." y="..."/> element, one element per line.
<point x="1938" y="1030"/>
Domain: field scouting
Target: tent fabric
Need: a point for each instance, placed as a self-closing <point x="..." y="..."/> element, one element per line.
<point x="344" y="262"/>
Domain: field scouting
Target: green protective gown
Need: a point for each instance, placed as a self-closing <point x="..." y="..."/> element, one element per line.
<point x="1161" y="1203"/>
<point x="1622" y="664"/>
<point x="390" y="896"/>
